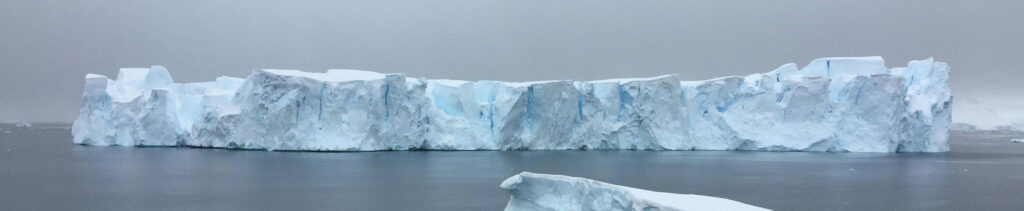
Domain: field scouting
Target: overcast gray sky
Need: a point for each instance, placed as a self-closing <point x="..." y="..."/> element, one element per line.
<point x="47" y="47"/>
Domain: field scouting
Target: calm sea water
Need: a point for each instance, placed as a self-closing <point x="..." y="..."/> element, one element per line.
<point x="41" y="170"/>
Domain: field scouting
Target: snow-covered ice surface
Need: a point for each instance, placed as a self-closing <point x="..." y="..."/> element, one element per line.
<point x="832" y="104"/>
<point x="532" y="191"/>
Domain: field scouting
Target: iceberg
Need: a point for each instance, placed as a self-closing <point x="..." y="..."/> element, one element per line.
<point x="532" y="191"/>
<point x="963" y="127"/>
<point x="990" y="113"/>
<point x="833" y="104"/>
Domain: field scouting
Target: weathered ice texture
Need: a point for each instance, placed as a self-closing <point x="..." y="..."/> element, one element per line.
<point x="832" y="104"/>
<point x="556" y="192"/>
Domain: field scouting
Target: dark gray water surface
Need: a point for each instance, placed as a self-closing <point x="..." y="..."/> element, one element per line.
<point x="41" y="169"/>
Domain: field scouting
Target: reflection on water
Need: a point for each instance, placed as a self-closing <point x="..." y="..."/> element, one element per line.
<point x="41" y="169"/>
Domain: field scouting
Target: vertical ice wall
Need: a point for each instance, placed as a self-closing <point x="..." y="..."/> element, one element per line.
<point x="833" y="104"/>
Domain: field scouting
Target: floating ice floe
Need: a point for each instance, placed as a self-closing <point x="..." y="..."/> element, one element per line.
<point x="832" y="104"/>
<point x="556" y="192"/>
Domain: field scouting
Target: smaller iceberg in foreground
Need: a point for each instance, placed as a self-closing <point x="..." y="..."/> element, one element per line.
<point x="532" y="191"/>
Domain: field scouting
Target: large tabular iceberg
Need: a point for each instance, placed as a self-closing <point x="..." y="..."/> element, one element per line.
<point x="832" y="104"/>
<point x="556" y="192"/>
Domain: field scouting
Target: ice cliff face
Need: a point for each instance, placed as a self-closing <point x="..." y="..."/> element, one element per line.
<point x="144" y="107"/>
<point x="833" y="104"/>
<point x="556" y="192"/>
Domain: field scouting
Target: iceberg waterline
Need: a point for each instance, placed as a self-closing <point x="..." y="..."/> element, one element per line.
<point x="833" y="104"/>
<point x="530" y="191"/>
